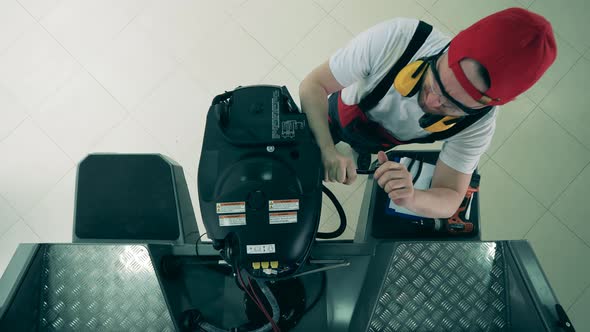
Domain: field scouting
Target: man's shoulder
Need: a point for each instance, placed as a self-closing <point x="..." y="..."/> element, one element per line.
<point x="393" y="31"/>
<point x="482" y="128"/>
<point x="393" y="37"/>
<point x="397" y="24"/>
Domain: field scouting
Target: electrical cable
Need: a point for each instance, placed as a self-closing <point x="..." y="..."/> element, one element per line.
<point x="365" y="171"/>
<point x="341" y="214"/>
<point x="415" y="179"/>
<point x="256" y="301"/>
<point x="228" y="255"/>
<point x="235" y="264"/>
<point x="189" y="234"/>
<point x="261" y="306"/>
<point x="412" y="161"/>
<point x="197" y="243"/>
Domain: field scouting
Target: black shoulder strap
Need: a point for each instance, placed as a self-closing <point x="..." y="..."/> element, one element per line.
<point x="464" y="123"/>
<point x="372" y="99"/>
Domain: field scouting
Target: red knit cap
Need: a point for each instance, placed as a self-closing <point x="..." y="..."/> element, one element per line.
<point x="515" y="45"/>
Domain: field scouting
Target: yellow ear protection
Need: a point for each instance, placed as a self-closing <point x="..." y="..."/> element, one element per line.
<point x="408" y="82"/>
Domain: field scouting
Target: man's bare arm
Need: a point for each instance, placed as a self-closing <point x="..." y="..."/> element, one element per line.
<point x="440" y="201"/>
<point x="313" y="92"/>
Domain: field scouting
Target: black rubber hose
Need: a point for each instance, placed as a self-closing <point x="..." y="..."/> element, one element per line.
<point x="340" y="210"/>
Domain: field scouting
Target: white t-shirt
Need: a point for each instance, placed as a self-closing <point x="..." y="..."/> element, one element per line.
<point x="363" y="63"/>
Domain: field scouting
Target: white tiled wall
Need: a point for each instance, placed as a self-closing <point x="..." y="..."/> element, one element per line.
<point x="137" y="76"/>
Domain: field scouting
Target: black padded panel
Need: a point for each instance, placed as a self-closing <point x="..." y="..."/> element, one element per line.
<point x="126" y="197"/>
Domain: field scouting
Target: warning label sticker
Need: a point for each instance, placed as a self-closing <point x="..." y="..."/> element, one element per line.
<point x="232" y="220"/>
<point x="283" y="205"/>
<point x="231" y="207"/>
<point x="282" y="218"/>
<point x="289" y="127"/>
<point x="276" y="118"/>
<point x="260" y="249"/>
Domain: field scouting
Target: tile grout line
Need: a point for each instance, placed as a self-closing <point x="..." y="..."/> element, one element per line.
<point x="326" y="222"/>
<point x="164" y="147"/>
<point x="536" y="222"/>
<point x="22" y="33"/>
<point x="273" y="68"/>
<point x="67" y="81"/>
<point x="321" y="7"/>
<point x="331" y="10"/>
<point x="514" y="131"/>
<point x="304" y="36"/>
<point x="16" y="39"/>
<point x="427" y="11"/>
<point x="27" y="116"/>
<point x="569" y="184"/>
<point x="577" y="175"/>
<point x="520" y="184"/>
<point x="443" y="24"/>
<point x="141" y="11"/>
<point x="13" y="225"/>
<point x="575" y="138"/>
<point x="52" y="140"/>
<point x="85" y="69"/>
<point x="75" y="59"/>
<point x="16" y="212"/>
<point x="569" y="229"/>
<point x="560" y="195"/>
<point x="342" y="24"/>
<point x="36" y="203"/>
<point x="547" y="209"/>
<point x="553" y="87"/>
<point x="335" y="19"/>
<point x="516" y="128"/>
<point x="233" y="19"/>
<point x="100" y="138"/>
<point x="580" y="57"/>
<point x="309" y="33"/>
<point x="127" y="111"/>
<point x="521" y="124"/>
<point x="577" y="298"/>
<point x="530" y="4"/>
<point x="158" y="84"/>
<point x="279" y="61"/>
<point x="492" y="158"/>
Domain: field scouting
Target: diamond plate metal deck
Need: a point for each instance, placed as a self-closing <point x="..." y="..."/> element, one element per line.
<point x="101" y="288"/>
<point x="443" y="287"/>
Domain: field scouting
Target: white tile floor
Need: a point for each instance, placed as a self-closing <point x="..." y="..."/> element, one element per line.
<point x="137" y="76"/>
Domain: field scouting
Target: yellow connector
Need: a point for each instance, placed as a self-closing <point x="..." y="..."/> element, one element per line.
<point x="264" y="265"/>
<point x="274" y="264"/>
<point x="256" y="265"/>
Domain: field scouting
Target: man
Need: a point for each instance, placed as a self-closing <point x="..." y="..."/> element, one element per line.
<point x="456" y="91"/>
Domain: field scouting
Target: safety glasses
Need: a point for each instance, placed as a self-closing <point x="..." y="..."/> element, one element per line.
<point x="450" y="101"/>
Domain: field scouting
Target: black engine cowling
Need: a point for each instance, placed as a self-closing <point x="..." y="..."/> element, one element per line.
<point x="259" y="180"/>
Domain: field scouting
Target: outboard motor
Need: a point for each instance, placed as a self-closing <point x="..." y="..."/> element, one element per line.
<point x="260" y="181"/>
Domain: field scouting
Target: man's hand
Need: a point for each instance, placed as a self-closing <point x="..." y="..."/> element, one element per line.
<point x="338" y="168"/>
<point x="395" y="179"/>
